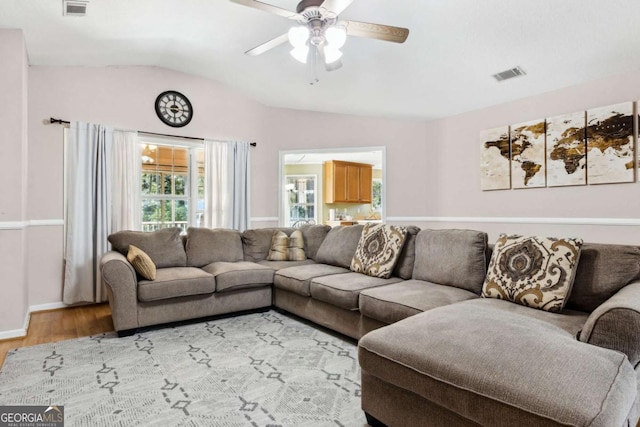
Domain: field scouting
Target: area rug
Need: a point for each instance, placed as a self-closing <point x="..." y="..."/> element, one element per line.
<point x="264" y="369"/>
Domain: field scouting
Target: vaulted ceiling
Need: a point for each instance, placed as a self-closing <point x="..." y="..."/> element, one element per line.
<point x="445" y="66"/>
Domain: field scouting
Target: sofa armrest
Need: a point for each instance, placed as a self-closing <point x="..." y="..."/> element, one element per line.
<point x="615" y="324"/>
<point x="122" y="286"/>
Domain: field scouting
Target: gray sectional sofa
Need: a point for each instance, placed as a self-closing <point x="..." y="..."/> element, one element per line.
<point x="433" y="352"/>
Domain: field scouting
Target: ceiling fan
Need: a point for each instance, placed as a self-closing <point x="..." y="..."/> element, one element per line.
<point x="319" y="35"/>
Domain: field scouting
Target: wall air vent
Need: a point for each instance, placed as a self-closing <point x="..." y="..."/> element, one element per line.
<point x="74" y="7"/>
<point x="509" y="74"/>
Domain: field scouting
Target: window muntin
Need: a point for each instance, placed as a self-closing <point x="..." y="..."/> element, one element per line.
<point x="172" y="186"/>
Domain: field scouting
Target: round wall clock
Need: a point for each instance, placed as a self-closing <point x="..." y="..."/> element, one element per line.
<point x="174" y="109"/>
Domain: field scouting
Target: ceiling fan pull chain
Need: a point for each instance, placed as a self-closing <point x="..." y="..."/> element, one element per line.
<point x="313" y="64"/>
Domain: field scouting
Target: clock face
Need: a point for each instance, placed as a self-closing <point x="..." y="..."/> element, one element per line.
<point x="174" y="109"/>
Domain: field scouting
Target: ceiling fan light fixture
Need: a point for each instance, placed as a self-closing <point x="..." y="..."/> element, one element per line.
<point x="336" y="36"/>
<point x="331" y="55"/>
<point x="300" y="53"/>
<point x="298" y="36"/>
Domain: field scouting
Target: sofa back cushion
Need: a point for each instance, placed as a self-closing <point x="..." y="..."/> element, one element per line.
<point x="257" y="242"/>
<point x="452" y="257"/>
<point x="314" y="235"/>
<point x="602" y="271"/>
<point x="164" y="246"/>
<point x="206" y="245"/>
<point x="404" y="266"/>
<point x="339" y="245"/>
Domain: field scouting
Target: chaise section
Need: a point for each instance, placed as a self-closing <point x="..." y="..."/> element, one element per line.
<point x="176" y="282"/>
<point x="343" y="290"/>
<point x="298" y="279"/>
<point x="493" y="368"/>
<point x="390" y="304"/>
<point x="239" y="275"/>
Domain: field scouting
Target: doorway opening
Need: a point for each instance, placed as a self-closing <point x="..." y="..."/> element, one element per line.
<point x="302" y="187"/>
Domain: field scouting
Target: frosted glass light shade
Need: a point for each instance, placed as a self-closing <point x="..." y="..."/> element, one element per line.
<point x="331" y="54"/>
<point x="336" y="37"/>
<point x="298" y="36"/>
<point x="300" y="53"/>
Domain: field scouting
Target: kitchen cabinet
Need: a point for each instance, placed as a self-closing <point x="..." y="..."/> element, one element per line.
<point x="347" y="182"/>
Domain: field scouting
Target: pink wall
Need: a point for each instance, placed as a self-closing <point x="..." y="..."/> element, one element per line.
<point x="13" y="176"/>
<point x="432" y="167"/>
<point x="454" y="181"/>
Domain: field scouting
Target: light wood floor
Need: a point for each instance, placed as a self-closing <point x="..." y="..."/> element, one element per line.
<point x="62" y="324"/>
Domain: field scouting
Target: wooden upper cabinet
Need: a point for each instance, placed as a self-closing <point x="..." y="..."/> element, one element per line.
<point x="347" y="182"/>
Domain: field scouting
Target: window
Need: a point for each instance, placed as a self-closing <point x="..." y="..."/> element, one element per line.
<point x="300" y="198"/>
<point x="172" y="186"/>
<point x="376" y="192"/>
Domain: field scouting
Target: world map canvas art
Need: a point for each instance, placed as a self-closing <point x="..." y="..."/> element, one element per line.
<point x="528" y="167"/>
<point x="495" y="158"/>
<point x="566" y="150"/>
<point x="610" y="144"/>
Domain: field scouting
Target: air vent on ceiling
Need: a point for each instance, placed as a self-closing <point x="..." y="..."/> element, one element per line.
<point x="74" y="7"/>
<point x="509" y="74"/>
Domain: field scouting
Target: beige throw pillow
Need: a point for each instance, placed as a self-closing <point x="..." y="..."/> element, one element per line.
<point x="378" y="250"/>
<point x="141" y="262"/>
<point x="536" y="272"/>
<point x="287" y="248"/>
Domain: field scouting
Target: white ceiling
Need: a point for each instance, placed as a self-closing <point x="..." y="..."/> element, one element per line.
<point x="373" y="157"/>
<point x="444" y="67"/>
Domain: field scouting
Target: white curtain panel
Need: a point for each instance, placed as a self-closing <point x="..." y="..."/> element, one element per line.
<point x="101" y="189"/>
<point x="226" y="184"/>
<point x="125" y="182"/>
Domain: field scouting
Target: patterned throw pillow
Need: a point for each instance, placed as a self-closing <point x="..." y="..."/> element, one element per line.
<point x="378" y="250"/>
<point x="141" y="262"/>
<point x="287" y="248"/>
<point x="536" y="272"/>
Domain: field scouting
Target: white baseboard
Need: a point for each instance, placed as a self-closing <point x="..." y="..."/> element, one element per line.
<point x="19" y="333"/>
<point x="16" y="333"/>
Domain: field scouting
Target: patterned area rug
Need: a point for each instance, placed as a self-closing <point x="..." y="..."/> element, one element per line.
<point x="263" y="369"/>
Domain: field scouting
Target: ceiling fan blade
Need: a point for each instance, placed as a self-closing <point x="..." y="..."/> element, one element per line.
<point x="268" y="8"/>
<point x="334" y="65"/>
<point x="268" y="45"/>
<point x="377" y="31"/>
<point x="336" y="6"/>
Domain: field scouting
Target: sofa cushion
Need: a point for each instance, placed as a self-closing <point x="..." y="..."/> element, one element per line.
<point x="378" y="250"/>
<point x="572" y="321"/>
<point x="404" y="266"/>
<point x="297" y="279"/>
<point x="206" y="245"/>
<point x="164" y="246"/>
<point x="602" y="271"/>
<point x="339" y="245"/>
<point x="257" y="242"/>
<point x="537" y="272"/>
<point x="141" y="263"/>
<point x="451" y="257"/>
<point x="495" y="368"/>
<point x="286" y="248"/>
<point x="279" y="265"/>
<point x="390" y="304"/>
<point x="176" y="282"/>
<point x="314" y="235"/>
<point x="343" y="290"/>
<point x="238" y="275"/>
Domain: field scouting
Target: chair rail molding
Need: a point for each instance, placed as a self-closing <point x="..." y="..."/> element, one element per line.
<point x="519" y="220"/>
<point x="19" y="225"/>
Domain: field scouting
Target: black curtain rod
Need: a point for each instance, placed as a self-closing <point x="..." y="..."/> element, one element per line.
<point x="60" y="121"/>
